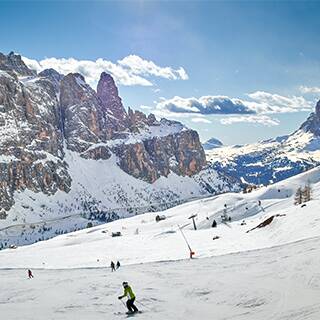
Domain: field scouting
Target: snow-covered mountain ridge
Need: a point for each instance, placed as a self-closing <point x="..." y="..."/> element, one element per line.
<point x="272" y="160"/>
<point x="69" y="153"/>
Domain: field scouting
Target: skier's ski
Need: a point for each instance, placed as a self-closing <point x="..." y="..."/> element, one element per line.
<point x="127" y="314"/>
<point x="132" y="314"/>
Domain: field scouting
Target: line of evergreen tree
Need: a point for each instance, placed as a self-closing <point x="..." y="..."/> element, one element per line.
<point x="303" y="194"/>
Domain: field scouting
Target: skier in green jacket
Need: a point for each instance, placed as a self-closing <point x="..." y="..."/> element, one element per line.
<point x="131" y="297"/>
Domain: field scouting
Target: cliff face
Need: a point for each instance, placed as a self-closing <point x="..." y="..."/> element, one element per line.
<point x="31" y="152"/>
<point x="97" y="125"/>
<point x="115" y="114"/>
<point x="41" y="113"/>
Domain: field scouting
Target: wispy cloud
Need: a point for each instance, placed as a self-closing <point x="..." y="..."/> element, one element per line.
<point x="266" y="103"/>
<point x="264" y="120"/>
<point x="306" y="90"/>
<point x="145" y="107"/>
<point x="200" y="120"/>
<point x="130" y="71"/>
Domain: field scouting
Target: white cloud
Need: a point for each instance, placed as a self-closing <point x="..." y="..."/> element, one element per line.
<point x="264" y="120"/>
<point x="32" y="64"/>
<point x="306" y="90"/>
<point x="183" y="74"/>
<point x="145" y="107"/>
<point x="204" y="105"/>
<point x="200" y="120"/>
<point x="260" y="103"/>
<point x="137" y="65"/>
<point x="266" y="103"/>
<point x="131" y="70"/>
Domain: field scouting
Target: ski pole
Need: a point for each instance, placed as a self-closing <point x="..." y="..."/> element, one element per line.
<point x="123" y="303"/>
<point x="143" y="305"/>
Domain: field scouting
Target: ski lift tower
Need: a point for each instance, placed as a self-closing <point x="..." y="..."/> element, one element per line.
<point x="194" y="223"/>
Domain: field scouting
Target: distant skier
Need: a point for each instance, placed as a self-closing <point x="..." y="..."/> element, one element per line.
<point x="214" y="224"/>
<point x="30" y="275"/>
<point x="131" y="298"/>
<point x="112" y="266"/>
<point x="118" y="264"/>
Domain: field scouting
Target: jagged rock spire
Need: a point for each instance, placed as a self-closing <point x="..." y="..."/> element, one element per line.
<point x="318" y="109"/>
<point x="107" y="92"/>
<point x="14" y="63"/>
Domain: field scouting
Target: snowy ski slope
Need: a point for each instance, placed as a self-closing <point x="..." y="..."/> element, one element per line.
<point x="268" y="273"/>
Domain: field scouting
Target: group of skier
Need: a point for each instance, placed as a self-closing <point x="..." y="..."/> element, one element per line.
<point x="113" y="266"/>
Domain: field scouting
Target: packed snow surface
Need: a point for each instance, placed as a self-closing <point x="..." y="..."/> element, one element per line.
<point x="268" y="273"/>
<point x="277" y="283"/>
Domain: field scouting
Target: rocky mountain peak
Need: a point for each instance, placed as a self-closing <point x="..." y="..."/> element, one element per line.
<point x="82" y="118"/>
<point x="53" y="76"/>
<point x="212" y="144"/>
<point x="138" y="119"/>
<point x="312" y="124"/>
<point x="75" y="90"/>
<point x="108" y="94"/>
<point x="13" y="63"/>
<point x="318" y="109"/>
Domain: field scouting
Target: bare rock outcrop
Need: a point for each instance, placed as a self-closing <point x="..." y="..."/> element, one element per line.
<point x="42" y="116"/>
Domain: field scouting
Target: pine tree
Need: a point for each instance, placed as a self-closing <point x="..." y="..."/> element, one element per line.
<point x="306" y="193"/>
<point x="298" y="196"/>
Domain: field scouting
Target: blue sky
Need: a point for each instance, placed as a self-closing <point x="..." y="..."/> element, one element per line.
<point x="264" y="56"/>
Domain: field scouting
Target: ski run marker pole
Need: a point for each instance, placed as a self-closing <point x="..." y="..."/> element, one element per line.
<point x="185" y="239"/>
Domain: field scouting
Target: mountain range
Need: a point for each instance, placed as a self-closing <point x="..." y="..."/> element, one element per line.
<point x="271" y="160"/>
<point x="70" y="154"/>
<point x="73" y="156"/>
